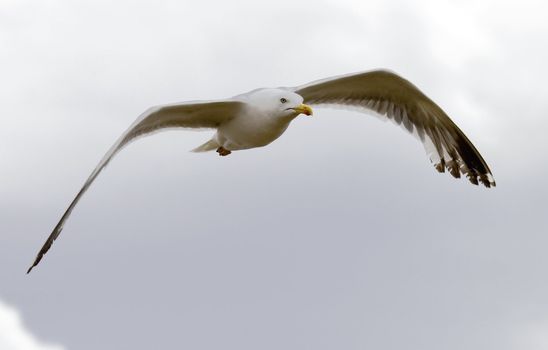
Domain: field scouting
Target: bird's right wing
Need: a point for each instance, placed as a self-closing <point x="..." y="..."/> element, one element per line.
<point x="201" y="114"/>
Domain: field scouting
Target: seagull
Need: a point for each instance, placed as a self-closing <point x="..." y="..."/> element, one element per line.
<point x="257" y="118"/>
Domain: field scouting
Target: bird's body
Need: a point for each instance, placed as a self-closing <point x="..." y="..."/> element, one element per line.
<point x="249" y="131"/>
<point x="259" y="117"/>
<point x="256" y="125"/>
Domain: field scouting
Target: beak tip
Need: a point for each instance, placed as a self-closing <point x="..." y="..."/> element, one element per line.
<point x="307" y="110"/>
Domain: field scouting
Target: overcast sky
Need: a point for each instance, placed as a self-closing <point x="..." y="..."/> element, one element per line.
<point x="339" y="235"/>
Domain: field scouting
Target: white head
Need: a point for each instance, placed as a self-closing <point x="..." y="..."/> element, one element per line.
<point x="278" y="102"/>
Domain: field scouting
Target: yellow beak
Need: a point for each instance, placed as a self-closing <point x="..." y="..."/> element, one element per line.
<point x="304" y="109"/>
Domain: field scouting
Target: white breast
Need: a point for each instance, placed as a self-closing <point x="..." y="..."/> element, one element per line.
<point x="253" y="128"/>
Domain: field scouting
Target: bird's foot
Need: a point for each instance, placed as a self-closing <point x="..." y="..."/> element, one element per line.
<point x="223" y="151"/>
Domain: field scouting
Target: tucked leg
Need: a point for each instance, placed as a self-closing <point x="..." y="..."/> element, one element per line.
<point x="223" y="151"/>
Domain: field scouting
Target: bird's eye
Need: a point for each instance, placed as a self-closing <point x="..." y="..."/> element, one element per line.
<point x="283" y="100"/>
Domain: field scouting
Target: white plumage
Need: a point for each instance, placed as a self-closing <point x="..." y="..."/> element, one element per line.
<point x="257" y="118"/>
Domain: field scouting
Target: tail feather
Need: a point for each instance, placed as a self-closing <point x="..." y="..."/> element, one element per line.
<point x="206" y="147"/>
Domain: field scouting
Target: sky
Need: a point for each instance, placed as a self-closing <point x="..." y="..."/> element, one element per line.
<point x="339" y="235"/>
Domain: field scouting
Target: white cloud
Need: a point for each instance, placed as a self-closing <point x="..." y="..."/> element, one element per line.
<point x="14" y="335"/>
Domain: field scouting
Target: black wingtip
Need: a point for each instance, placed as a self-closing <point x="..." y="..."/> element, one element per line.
<point x="36" y="261"/>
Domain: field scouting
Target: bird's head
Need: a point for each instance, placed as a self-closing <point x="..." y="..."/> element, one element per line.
<point x="280" y="102"/>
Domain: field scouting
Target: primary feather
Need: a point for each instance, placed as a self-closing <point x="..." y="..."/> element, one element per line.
<point x="396" y="98"/>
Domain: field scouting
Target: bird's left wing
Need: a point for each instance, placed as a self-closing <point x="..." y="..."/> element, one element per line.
<point x="396" y="98"/>
<point x="201" y="114"/>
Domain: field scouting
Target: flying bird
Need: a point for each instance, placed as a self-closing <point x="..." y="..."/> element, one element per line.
<point x="257" y="118"/>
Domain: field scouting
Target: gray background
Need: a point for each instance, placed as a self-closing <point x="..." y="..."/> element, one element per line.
<point x="339" y="235"/>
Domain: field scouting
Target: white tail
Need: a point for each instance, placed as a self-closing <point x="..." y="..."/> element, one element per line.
<point x="206" y="147"/>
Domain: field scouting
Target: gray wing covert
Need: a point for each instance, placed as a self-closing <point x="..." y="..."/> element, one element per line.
<point x="201" y="114"/>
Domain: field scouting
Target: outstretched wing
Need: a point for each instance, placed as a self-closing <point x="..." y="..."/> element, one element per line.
<point x="203" y="114"/>
<point x="390" y="95"/>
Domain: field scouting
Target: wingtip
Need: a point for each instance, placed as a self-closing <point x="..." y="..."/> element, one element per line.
<point x="485" y="179"/>
<point x="475" y="178"/>
<point x="36" y="261"/>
